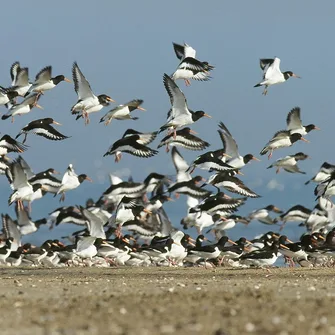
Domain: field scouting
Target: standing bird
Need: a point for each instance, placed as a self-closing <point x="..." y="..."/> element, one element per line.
<point x="20" y="79"/>
<point x="87" y="102"/>
<point x="289" y="163"/>
<point x="190" y="67"/>
<point x="272" y="74"/>
<point x="70" y="181"/>
<point x="122" y="112"/>
<point x="44" y="80"/>
<point x="294" y="124"/>
<point x="42" y="127"/>
<point x="281" y="139"/>
<point x="22" y="108"/>
<point x="180" y="115"/>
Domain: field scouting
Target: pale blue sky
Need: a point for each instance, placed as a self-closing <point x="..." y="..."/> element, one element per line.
<point x="123" y="48"/>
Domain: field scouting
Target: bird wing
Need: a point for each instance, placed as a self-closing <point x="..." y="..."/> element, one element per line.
<point x="81" y="85"/>
<point x="19" y="177"/>
<point x="228" y="141"/>
<point x="84" y="243"/>
<point x="180" y="165"/>
<point x="293" y="119"/>
<point x="49" y="132"/>
<point x="265" y="63"/>
<point x="11" y="229"/>
<point x="22" y="78"/>
<point x="94" y="224"/>
<point x="179" y="50"/>
<point x="30" y="100"/>
<point x="14" y="70"/>
<point x="273" y="69"/>
<point x="44" y="75"/>
<point x="26" y="168"/>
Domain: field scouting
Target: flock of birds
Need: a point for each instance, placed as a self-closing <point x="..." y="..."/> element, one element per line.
<point x="129" y="212"/>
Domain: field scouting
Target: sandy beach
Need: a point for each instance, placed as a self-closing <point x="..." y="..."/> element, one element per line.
<point x="145" y="301"/>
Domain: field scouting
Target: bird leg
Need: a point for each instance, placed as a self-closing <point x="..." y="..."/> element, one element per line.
<point x="174" y="133"/>
<point x="12" y="119"/>
<point x="167" y="149"/>
<point x="278" y="170"/>
<point x="187" y="82"/>
<point x="265" y="92"/>
<point x="29" y="206"/>
<point x="62" y="198"/>
<point x="282" y="226"/>
<point x="177" y="195"/>
<point x="270" y="154"/>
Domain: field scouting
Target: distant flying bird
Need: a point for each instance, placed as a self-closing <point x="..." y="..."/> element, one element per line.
<point x="20" y="79"/>
<point x="122" y="112"/>
<point x="22" y="108"/>
<point x="190" y="67"/>
<point x="272" y="74"/>
<point x="289" y="163"/>
<point x="263" y="216"/>
<point x="231" y="149"/>
<point x="70" y="181"/>
<point x="180" y="115"/>
<point x="44" y="80"/>
<point x="42" y="127"/>
<point x="87" y="102"/>
<point x="184" y="138"/>
<point x="294" y="124"/>
<point x="281" y="139"/>
<point x="325" y="171"/>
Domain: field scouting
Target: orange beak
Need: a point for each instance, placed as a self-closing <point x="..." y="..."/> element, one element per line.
<point x="141" y="108"/>
<point x="110" y="99"/>
<point x="303" y="139"/>
<point x="255" y="159"/>
<point x="193" y="132"/>
<point x="55" y="122"/>
<point x="67" y="80"/>
<point x="38" y="106"/>
<point x="316" y="128"/>
<point x="89" y="179"/>
<point x="295" y="76"/>
<point x="207" y="115"/>
<point x="232" y="242"/>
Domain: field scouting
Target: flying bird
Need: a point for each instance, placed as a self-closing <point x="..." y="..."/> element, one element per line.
<point x="20" y="79"/>
<point x="294" y="124"/>
<point x="42" y="127"/>
<point x="87" y="102"/>
<point x="272" y="74"/>
<point x="289" y="163"/>
<point x="7" y="95"/>
<point x="8" y="144"/>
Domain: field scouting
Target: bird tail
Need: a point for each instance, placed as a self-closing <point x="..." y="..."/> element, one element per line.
<point x="5" y="116"/>
<point x="307" y="182"/>
<point x="270" y="166"/>
<point x="264" y="151"/>
<point x="258" y="85"/>
<point x="78" y="116"/>
<point x="18" y="135"/>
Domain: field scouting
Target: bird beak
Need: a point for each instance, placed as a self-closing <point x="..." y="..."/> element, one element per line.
<point x="55" y="172"/>
<point x="284" y="246"/>
<point x="141" y="108"/>
<point x="67" y="80"/>
<point x="275" y="235"/>
<point x="147" y="211"/>
<point x="296" y="76"/>
<point x="89" y="179"/>
<point x="193" y="132"/>
<point x="191" y="239"/>
<point x="249" y="242"/>
<point x="38" y="106"/>
<point x="132" y="238"/>
<point x="240" y="173"/>
<point x="255" y="159"/>
<point x="55" y="122"/>
<point x="223" y="218"/>
<point x="226" y="155"/>
<point x="303" y="139"/>
<point x="191" y="243"/>
<point x="316" y="128"/>
<point x="170" y="199"/>
<point x="289" y="241"/>
<point x="322" y="238"/>
<point x="232" y="242"/>
<point x="110" y="99"/>
<point x="176" y="243"/>
<point x="6" y="158"/>
<point x="207" y="115"/>
<point x="277" y="210"/>
<point x="226" y="196"/>
<point x="44" y="189"/>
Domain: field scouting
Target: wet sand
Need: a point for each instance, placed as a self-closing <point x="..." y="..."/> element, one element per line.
<point x="145" y="301"/>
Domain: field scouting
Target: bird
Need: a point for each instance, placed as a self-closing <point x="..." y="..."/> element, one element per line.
<point x="145" y="138"/>
<point x="23" y="107"/>
<point x="289" y="163"/>
<point x="231" y="149"/>
<point x="7" y="95"/>
<point x="190" y="188"/>
<point x="122" y="112"/>
<point x="281" y="139"/>
<point x="263" y="216"/>
<point x="42" y="127"/>
<point x="297" y="213"/>
<point x="190" y="67"/>
<point x="272" y="74"/>
<point x="70" y="181"/>
<point x="20" y="79"/>
<point x="44" y="80"/>
<point x="325" y="171"/>
<point x="87" y="102"/>
<point x="9" y="144"/>
<point x="326" y="189"/>
<point x="179" y="115"/>
<point x="132" y="145"/>
<point x="294" y="124"/>
<point x="50" y="183"/>
<point x="184" y="138"/>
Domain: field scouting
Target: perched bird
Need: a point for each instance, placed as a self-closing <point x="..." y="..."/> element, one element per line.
<point x="231" y="149"/>
<point x="7" y="95"/>
<point x="71" y="181"/>
<point x="42" y="127"/>
<point x="131" y="145"/>
<point x="289" y="163"/>
<point x="44" y="80"/>
<point x="20" y="79"/>
<point x="272" y="74"/>
<point x="263" y="216"/>
<point x="294" y="124"/>
<point x="184" y="138"/>
<point x="122" y="112"/>
<point x="324" y="173"/>
<point x="87" y="102"/>
<point x="190" y="67"/>
<point x="179" y="115"/>
<point x="281" y="139"/>
<point x="22" y="108"/>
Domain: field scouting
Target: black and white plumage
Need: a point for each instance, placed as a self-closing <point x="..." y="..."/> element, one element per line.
<point x="50" y="183"/>
<point x="87" y="102"/>
<point x="181" y="166"/>
<point x="231" y="184"/>
<point x="145" y="138"/>
<point x="42" y="127"/>
<point x="297" y="213"/>
<point x="23" y="107"/>
<point x="294" y="124"/>
<point x="272" y="74"/>
<point x="4" y="166"/>
<point x="190" y="67"/>
<point x="8" y="144"/>
<point x="326" y="189"/>
<point x="44" y="80"/>
<point x="190" y="188"/>
<point x="180" y="115"/>
<point x="324" y="173"/>
<point x="289" y="163"/>
<point x="11" y="230"/>
<point x="70" y="181"/>
<point x="184" y="138"/>
<point x="131" y="145"/>
<point x="7" y="95"/>
<point x="281" y="139"/>
<point x="231" y="149"/>
<point x="20" y="79"/>
<point x="263" y="215"/>
<point x="25" y="224"/>
<point x="122" y="112"/>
